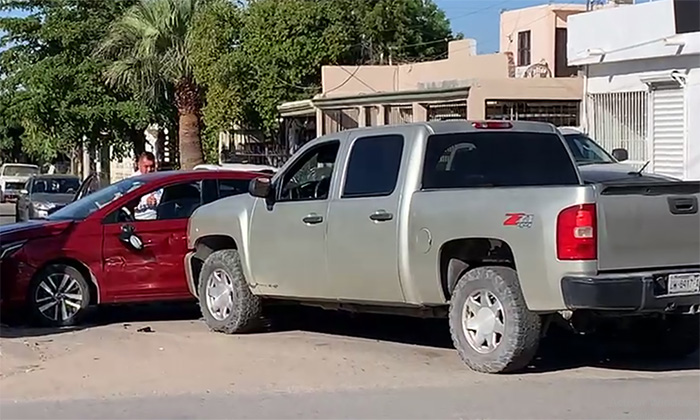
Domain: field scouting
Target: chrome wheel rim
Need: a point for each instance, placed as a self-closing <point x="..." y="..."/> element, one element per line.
<point x="219" y="296"/>
<point x="59" y="297"/>
<point x="483" y="321"/>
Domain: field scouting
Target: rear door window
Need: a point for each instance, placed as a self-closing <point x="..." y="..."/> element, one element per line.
<point x="497" y="159"/>
<point x="229" y="187"/>
<point x="373" y="166"/>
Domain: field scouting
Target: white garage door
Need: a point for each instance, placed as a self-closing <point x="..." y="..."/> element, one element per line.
<point x="668" y="131"/>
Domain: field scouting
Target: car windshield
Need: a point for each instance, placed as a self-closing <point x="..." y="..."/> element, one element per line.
<point x="586" y="151"/>
<point x="79" y="210"/>
<point x="19" y="170"/>
<point x="56" y="185"/>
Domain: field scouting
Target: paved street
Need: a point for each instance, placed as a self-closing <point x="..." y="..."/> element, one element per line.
<point x="313" y="365"/>
<point x="319" y="366"/>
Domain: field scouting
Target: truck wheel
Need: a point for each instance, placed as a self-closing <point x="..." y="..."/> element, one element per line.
<point x="227" y="304"/>
<point x="58" y="296"/>
<point x="491" y="326"/>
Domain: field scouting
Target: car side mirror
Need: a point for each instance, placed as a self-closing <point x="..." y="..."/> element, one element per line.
<point x="620" y="154"/>
<point x="23" y="191"/>
<point x="260" y="187"/>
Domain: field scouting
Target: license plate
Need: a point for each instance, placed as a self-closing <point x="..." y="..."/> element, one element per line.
<point x="683" y="283"/>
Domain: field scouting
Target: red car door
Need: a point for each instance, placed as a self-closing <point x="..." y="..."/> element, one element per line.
<point x="156" y="271"/>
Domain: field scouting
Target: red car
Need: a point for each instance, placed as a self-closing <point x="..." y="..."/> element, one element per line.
<point x="103" y="248"/>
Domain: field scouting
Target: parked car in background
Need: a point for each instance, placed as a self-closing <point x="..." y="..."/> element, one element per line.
<point x="43" y="194"/>
<point x="486" y="224"/>
<point x="99" y="250"/>
<point x="597" y="165"/>
<point x="13" y="176"/>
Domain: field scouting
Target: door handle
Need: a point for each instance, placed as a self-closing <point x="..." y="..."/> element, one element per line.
<point x="683" y="205"/>
<point x="312" y="219"/>
<point x="381" y="216"/>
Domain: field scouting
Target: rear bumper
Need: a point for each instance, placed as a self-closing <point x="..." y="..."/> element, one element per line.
<point x="627" y="292"/>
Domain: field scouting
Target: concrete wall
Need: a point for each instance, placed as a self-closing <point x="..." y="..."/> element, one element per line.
<point x="461" y="66"/>
<point x="541" y="21"/>
<point x="630" y="33"/>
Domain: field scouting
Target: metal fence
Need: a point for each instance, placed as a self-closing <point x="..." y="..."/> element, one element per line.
<point x="454" y="110"/>
<point x="559" y="113"/>
<point x="620" y="120"/>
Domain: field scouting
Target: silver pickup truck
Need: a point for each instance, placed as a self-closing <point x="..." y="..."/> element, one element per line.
<point x="489" y="224"/>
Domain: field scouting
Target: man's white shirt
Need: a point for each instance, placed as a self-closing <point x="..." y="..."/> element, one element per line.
<point x="143" y="210"/>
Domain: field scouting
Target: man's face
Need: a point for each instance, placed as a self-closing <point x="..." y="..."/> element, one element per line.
<point x="146" y="166"/>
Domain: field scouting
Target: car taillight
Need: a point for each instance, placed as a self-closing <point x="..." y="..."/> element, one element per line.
<point x="576" y="233"/>
<point x="492" y="124"/>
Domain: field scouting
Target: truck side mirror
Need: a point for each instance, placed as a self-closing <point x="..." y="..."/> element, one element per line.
<point x="259" y="187"/>
<point x="620" y="154"/>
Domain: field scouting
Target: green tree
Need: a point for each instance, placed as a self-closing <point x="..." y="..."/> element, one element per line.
<point x="150" y="55"/>
<point x="271" y="51"/>
<point x="52" y="86"/>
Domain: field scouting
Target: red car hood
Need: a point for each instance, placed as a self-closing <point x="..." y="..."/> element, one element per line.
<point x="32" y="229"/>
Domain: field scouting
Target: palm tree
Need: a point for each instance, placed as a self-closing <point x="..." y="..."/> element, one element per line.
<point x="149" y="54"/>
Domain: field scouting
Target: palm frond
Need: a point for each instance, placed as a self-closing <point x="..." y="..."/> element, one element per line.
<point x="148" y="47"/>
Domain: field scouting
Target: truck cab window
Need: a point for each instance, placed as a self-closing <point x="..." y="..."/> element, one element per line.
<point x="497" y="159"/>
<point x="373" y="166"/>
<point x="309" y="178"/>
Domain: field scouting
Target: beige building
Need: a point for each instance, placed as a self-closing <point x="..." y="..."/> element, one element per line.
<point x="464" y="85"/>
<point x="537" y="36"/>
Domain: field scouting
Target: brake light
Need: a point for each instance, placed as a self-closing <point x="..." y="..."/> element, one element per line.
<point x="576" y="233"/>
<point x="492" y="124"/>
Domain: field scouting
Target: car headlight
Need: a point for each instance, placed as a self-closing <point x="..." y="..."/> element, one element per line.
<point x="44" y="206"/>
<point x="7" y="250"/>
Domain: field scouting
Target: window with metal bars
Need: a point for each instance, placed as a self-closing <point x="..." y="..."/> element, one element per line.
<point x="456" y="110"/>
<point x="524" y="48"/>
<point x="559" y="113"/>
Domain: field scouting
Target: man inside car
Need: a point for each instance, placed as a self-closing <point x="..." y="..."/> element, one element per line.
<point x="146" y="208"/>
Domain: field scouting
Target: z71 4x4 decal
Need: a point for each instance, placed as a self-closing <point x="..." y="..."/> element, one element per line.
<point x="521" y="220"/>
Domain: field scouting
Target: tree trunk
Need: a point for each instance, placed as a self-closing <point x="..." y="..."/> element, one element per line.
<point x="188" y="102"/>
<point x="190" y="144"/>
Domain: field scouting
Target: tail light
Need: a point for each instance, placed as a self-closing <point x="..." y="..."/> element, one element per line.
<point x="492" y="124"/>
<point x="576" y="233"/>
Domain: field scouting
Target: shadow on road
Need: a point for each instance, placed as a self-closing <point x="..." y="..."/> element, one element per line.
<point x="108" y="315"/>
<point x="559" y="351"/>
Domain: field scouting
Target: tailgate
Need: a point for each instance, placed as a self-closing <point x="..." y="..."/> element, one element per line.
<point x="648" y="225"/>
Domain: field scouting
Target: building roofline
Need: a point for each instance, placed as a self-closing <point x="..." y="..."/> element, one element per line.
<point x="416" y="95"/>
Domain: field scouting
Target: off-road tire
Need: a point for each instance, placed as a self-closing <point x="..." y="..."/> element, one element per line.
<point x="39" y="319"/>
<point x="246" y="313"/>
<point x="521" y="336"/>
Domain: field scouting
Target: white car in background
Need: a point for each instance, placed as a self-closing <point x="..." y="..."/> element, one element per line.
<point x="244" y="167"/>
<point x="597" y="165"/>
<point x="13" y="176"/>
